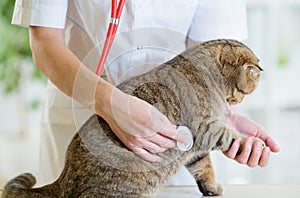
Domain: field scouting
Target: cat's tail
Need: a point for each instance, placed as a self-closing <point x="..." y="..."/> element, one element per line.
<point x="21" y="186"/>
<point x="25" y="180"/>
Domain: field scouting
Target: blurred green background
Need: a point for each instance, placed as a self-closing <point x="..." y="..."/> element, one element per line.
<point x="14" y="51"/>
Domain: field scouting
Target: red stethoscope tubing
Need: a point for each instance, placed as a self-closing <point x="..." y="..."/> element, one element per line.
<point x="111" y="32"/>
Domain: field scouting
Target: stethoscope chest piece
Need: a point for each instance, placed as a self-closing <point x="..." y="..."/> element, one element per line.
<point x="185" y="130"/>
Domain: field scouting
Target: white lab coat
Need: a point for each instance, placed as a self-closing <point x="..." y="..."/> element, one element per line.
<point x="150" y="31"/>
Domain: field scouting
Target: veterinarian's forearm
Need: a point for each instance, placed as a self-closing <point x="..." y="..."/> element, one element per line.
<point x="65" y="70"/>
<point x="191" y="43"/>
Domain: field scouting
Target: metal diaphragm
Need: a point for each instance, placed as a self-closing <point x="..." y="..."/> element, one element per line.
<point x="185" y="130"/>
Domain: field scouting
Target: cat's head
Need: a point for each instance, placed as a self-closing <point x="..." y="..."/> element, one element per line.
<point x="242" y="83"/>
<point x="238" y="66"/>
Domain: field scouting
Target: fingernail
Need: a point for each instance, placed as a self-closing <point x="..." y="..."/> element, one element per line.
<point x="186" y="139"/>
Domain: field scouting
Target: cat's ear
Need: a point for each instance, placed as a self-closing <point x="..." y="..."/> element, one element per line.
<point x="253" y="70"/>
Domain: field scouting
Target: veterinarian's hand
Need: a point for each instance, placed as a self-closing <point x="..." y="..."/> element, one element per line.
<point x="140" y="126"/>
<point x="252" y="155"/>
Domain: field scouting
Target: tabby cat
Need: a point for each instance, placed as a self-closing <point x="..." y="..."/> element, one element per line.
<point x="192" y="89"/>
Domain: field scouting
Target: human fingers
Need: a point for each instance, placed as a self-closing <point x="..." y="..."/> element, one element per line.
<point x="265" y="156"/>
<point x="144" y="154"/>
<point x="170" y="131"/>
<point x="247" y="147"/>
<point x="272" y="145"/>
<point x="164" y="127"/>
<point x="162" y="141"/>
<point x="255" y="154"/>
<point x="258" y="131"/>
<point x="144" y="149"/>
<point x="269" y="142"/>
<point x="150" y="146"/>
<point x="233" y="150"/>
<point x="137" y="144"/>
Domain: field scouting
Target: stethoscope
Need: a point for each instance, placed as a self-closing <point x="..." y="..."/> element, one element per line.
<point x="116" y="12"/>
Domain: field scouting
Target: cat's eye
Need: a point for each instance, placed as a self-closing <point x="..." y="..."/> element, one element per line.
<point x="253" y="69"/>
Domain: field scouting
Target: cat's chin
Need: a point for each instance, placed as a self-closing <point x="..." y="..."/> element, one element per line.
<point x="233" y="101"/>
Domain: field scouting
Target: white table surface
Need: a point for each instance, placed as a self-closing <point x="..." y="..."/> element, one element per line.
<point x="234" y="191"/>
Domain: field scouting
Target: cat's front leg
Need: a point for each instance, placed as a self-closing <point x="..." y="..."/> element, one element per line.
<point x="202" y="170"/>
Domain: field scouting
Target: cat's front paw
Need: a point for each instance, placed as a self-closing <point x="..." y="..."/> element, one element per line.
<point x="210" y="189"/>
<point x="255" y="139"/>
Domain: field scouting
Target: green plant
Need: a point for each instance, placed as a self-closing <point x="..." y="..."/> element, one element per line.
<point x="283" y="59"/>
<point x="14" y="50"/>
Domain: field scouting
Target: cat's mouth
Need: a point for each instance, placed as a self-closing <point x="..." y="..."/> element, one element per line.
<point x="235" y="98"/>
<point x="232" y="101"/>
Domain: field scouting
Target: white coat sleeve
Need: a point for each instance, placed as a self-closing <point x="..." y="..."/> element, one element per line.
<point x="47" y="13"/>
<point x="216" y="19"/>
